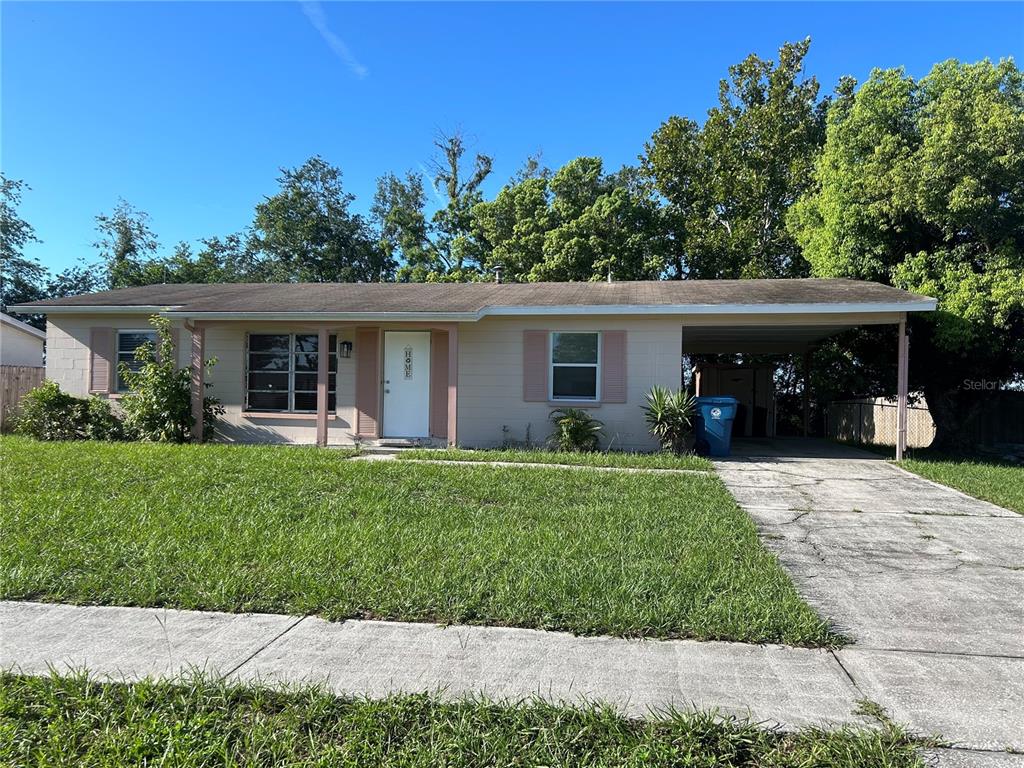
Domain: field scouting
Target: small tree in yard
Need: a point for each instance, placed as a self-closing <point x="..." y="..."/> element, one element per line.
<point x="158" y="407"/>
<point x="670" y="416"/>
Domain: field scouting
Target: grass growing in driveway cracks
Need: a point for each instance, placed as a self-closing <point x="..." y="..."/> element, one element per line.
<point x="302" y="530"/>
<point x="73" y="721"/>
<point x="596" y="459"/>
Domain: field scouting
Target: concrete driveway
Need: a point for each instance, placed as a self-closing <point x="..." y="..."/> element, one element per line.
<point x="928" y="582"/>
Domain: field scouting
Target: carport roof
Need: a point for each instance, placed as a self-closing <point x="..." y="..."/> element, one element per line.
<point x="471" y="301"/>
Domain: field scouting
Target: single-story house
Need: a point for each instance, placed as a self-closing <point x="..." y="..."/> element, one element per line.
<point x="472" y="364"/>
<point x="20" y="343"/>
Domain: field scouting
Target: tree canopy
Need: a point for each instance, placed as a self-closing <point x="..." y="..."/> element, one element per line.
<point x="920" y="184"/>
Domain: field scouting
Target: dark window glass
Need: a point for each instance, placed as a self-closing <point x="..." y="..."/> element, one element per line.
<point x="305" y="362"/>
<point x="268" y="401"/>
<point x="332" y="401"/>
<point x="307" y="342"/>
<point x="278" y="382"/>
<point x="574" y="348"/>
<point x="572" y="382"/>
<point x="305" y="382"/>
<point x="305" y="401"/>
<point x="264" y="362"/>
<point x="268" y="342"/>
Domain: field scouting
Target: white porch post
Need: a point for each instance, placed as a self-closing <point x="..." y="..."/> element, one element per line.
<point x="323" y="358"/>
<point x="901" y="389"/>
<point x="198" y="379"/>
<point x="453" y="383"/>
<point x="807" y="393"/>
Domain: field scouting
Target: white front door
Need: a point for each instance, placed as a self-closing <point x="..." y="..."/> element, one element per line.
<point x="406" y="384"/>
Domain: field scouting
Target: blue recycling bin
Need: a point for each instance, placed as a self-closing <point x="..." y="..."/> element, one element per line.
<point x="713" y="425"/>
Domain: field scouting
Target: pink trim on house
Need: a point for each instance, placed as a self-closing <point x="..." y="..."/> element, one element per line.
<point x="368" y="376"/>
<point x="613" y="366"/>
<point x="453" y="385"/>
<point x="198" y="379"/>
<point x="322" y="361"/>
<point x="102" y="357"/>
<point x="535" y="366"/>
<point x="438" y="383"/>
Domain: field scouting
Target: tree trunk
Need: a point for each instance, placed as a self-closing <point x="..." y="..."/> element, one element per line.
<point x="953" y="411"/>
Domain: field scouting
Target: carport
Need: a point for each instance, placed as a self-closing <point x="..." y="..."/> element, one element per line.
<point x="789" y="329"/>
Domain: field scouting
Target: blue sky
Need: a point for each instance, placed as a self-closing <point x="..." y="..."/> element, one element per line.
<point x="187" y="110"/>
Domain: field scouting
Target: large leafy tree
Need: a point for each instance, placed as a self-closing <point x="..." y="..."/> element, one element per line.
<point x="441" y="247"/>
<point x="921" y="185"/>
<point x="308" y="233"/>
<point x="727" y="185"/>
<point x="126" y="245"/>
<point x="21" y="278"/>
<point x="579" y="223"/>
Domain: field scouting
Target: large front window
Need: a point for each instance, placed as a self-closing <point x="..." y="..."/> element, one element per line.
<point x="574" y="365"/>
<point x="281" y="372"/>
<point x="127" y="343"/>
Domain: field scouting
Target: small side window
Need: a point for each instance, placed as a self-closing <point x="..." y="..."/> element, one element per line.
<point x="575" y="364"/>
<point x="127" y="343"/>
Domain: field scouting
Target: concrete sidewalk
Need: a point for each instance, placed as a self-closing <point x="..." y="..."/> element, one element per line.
<point x="790" y="686"/>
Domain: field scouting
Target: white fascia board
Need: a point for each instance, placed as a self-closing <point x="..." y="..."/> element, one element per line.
<point x="361" y="317"/>
<point x="66" y="309"/>
<point x="715" y="309"/>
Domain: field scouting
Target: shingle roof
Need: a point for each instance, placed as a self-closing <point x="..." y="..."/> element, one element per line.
<point x="453" y="298"/>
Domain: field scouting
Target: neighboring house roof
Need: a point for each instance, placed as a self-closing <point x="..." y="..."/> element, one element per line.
<point x="471" y="301"/>
<point x="17" y="325"/>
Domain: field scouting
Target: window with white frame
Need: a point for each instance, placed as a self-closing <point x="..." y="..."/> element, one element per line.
<point x="127" y="343"/>
<point x="281" y="372"/>
<point x="575" y="364"/>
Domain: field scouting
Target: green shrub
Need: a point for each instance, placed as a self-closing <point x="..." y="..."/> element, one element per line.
<point x="48" y="413"/>
<point x="669" y="415"/>
<point x="158" y="406"/>
<point x="575" y="430"/>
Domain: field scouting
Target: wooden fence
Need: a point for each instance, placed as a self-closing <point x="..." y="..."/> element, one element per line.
<point x="999" y="419"/>
<point x="16" y="381"/>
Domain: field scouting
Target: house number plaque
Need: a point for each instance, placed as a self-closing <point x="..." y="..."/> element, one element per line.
<point x="408" y="362"/>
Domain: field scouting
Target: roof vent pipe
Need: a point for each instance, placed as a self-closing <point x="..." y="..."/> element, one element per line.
<point x="498" y="268"/>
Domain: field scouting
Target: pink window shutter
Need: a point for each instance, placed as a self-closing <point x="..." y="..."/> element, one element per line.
<point x="535" y="366"/>
<point x="439" y="383"/>
<point x="613" y="366"/>
<point x="102" y="359"/>
<point x="367" y="381"/>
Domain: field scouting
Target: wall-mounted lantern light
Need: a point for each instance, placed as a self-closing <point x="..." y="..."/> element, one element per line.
<point x="346" y="349"/>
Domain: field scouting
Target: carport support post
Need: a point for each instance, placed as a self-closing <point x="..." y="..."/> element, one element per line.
<point x="198" y="379"/>
<point x="453" y="383"/>
<point x="323" y="358"/>
<point x="807" y="393"/>
<point x="901" y="389"/>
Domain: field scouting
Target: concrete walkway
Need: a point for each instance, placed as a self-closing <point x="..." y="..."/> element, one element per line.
<point x="791" y="686"/>
<point x="927" y="581"/>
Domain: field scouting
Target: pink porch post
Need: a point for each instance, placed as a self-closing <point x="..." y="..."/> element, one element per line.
<point x="322" y="360"/>
<point x="901" y="390"/>
<point x="453" y="383"/>
<point x="198" y="380"/>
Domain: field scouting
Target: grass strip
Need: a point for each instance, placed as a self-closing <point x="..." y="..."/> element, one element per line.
<point x="72" y="720"/>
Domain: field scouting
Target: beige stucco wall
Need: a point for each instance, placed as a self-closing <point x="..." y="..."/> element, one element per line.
<point x="490" y="376"/>
<point x="18" y="347"/>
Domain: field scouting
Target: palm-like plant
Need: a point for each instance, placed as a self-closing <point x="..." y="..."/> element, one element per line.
<point x="575" y="430"/>
<point x="669" y="415"/>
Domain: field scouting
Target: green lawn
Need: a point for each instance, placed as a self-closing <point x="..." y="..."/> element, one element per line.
<point x="72" y="721"/>
<point x="1002" y="484"/>
<point x="537" y="456"/>
<point x="302" y="530"/>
